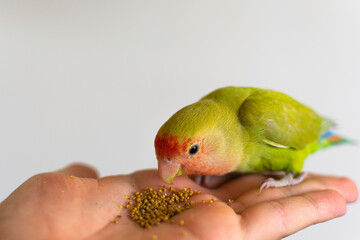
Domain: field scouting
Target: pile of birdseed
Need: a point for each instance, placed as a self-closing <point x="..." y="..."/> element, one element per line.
<point x="151" y="207"/>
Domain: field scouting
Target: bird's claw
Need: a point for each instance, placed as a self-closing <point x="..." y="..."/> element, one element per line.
<point x="287" y="180"/>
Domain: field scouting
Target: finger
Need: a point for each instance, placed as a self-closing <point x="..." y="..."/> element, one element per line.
<point x="344" y="186"/>
<point x="213" y="181"/>
<point x="280" y="218"/>
<point x="79" y="170"/>
<point x="240" y="185"/>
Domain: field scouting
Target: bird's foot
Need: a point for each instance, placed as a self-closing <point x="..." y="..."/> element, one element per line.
<point x="287" y="180"/>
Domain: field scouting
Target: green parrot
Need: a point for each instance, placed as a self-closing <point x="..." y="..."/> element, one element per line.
<point x="242" y="129"/>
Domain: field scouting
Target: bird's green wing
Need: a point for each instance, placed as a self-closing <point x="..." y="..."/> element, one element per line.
<point x="281" y="121"/>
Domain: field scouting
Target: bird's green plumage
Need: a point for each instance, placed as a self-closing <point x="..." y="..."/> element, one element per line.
<point x="266" y="130"/>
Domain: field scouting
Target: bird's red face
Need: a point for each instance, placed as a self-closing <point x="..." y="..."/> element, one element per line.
<point x="180" y="155"/>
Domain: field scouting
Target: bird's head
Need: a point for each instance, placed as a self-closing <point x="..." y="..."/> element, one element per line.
<point x="191" y="142"/>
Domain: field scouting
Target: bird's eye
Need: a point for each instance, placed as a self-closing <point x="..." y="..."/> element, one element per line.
<point x="194" y="149"/>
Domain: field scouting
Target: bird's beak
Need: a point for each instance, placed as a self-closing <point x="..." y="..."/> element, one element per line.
<point x="168" y="170"/>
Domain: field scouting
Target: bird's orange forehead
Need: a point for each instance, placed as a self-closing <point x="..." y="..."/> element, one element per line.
<point x="169" y="145"/>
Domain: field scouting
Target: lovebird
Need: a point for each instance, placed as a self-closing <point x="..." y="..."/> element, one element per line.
<point x="242" y="129"/>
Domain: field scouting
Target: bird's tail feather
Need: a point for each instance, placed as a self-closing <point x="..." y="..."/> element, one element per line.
<point x="329" y="139"/>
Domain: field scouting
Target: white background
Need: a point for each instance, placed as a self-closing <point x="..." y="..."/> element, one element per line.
<point x="92" y="81"/>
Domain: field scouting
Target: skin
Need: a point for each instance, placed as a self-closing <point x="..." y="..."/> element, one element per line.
<point x="58" y="206"/>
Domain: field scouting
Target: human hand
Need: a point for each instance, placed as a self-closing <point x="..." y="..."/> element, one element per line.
<point x="73" y="203"/>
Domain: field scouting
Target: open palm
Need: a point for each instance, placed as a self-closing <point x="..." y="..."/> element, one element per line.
<point x="74" y="203"/>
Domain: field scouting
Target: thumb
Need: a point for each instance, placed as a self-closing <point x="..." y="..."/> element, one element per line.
<point x="79" y="170"/>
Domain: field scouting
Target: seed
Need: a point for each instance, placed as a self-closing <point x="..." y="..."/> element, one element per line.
<point x="185" y="234"/>
<point x="230" y="201"/>
<point x="212" y="200"/>
<point x="181" y="222"/>
<point x="202" y="201"/>
<point x="154" y="237"/>
<point x="151" y="207"/>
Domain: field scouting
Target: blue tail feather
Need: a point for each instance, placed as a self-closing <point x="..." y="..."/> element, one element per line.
<point x="329" y="139"/>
